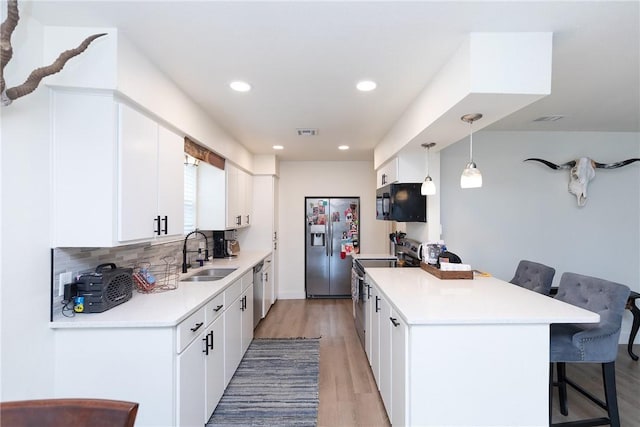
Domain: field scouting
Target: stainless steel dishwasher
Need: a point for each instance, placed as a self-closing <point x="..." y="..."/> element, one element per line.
<point x="258" y="293"/>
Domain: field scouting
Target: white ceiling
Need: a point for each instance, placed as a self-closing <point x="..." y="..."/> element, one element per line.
<point x="303" y="60"/>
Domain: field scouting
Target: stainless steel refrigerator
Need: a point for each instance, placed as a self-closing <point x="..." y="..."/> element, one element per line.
<point x="332" y="236"/>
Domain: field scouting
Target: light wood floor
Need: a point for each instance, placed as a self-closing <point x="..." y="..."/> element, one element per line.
<point x="348" y="394"/>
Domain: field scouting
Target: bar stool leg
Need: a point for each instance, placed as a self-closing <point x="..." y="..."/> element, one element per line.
<point x="562" y="387"/>
<point x="611" y="399"/>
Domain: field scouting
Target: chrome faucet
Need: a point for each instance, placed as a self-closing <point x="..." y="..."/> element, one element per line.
<point x="184" y="249"/>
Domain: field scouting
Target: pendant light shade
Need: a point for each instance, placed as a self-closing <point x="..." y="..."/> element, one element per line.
<point x="471" y="176"/>
<point x="428" y="186"/>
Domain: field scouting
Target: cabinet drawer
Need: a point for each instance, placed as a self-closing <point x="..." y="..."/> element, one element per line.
<point x="232" y="293"/>
<point x="247" y="280"/>
<point x="214" y="308"/>
<point x="190" y="328"/>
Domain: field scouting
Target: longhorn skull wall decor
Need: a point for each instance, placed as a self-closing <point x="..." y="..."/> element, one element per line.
<point x="582" y="171"/>
<point x="7" y="96"/>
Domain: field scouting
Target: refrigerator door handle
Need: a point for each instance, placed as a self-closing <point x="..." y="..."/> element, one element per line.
<point x="327" y="239"/>
<point x="331" y="237"/>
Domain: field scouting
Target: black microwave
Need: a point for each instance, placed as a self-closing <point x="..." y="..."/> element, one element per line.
<point x="401" y="202"/>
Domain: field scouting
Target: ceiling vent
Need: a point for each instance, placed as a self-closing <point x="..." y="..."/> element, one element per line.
<point x="553" y="118"/>
<point x="307" y="132"/>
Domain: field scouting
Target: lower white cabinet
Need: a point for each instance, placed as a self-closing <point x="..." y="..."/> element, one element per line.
<point x="388" y="335"/>
<point x="191" y="383"/>
<point x="385" y="356"/>
<point x="214" y="366"/>
<point x="375" y="303"/>
<point x="238" y="323"/>
<point x="177" y="374"/>
<point x="399" y="346"/>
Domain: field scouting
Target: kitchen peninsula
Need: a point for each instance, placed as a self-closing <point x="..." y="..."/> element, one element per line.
<point x="461" y="352"/>
<point x="173" y="352"/>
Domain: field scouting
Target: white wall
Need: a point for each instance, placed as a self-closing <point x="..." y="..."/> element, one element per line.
<point x="524" y="211"/>
<point x="26" y="342"/>
<point x="322" y="179"/>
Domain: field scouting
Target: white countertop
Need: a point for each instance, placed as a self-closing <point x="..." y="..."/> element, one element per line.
<point x="165" y="309"/>
<point x="421" y="298"/>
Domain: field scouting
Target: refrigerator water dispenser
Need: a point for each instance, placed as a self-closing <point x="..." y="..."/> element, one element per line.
<point x="317" y="235"/>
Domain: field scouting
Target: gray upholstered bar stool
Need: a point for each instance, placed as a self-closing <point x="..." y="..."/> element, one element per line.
<point x="589" y="343"/>
<point x="534" y="276"/>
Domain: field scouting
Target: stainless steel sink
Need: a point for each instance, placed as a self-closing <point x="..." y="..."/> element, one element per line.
<point x="210" y="275"/>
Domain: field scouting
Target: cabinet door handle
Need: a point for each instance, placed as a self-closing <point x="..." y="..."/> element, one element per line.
<point x="368" y="291"/>
<point x="238" y="220"/>
<point x="247" y="219"/>
<point x="198" y="326"/>
<point x="377" y="301"/>
<point x="384" y="178"/>
<point x="266" y="277"/>
<point x="166" y="225"/>
<point x="206" y="345"/>
<point x="243" y="303"/>
<point x="156" y="226"/>
<point x="394" y="321"/>
<point x="211" y="340"/>
<point x="275" y="245"/>
<point x="218" y="308"/>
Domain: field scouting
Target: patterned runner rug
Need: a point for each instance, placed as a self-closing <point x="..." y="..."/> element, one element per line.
<point x="276" y="384"/>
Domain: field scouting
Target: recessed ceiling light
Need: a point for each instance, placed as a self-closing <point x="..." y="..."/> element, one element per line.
<point x="240" y="86"/>
<point x="343" y="147"/>
<point x="278" y="147"/>
<point x="366" y="85"/>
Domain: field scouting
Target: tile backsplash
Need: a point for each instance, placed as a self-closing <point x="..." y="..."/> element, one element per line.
<point x="84" y="260"/>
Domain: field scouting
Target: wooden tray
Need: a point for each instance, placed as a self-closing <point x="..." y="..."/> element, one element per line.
<point x="446" y="275"/>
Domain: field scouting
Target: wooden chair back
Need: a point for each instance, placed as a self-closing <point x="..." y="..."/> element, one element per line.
<point x="68" y="412"/>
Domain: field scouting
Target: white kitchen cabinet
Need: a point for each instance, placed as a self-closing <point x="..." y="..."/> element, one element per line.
<point x="375" y="333"/>
<point x="387" y="173"/>
<point x="368" y="319"/>
<point x="247" y="318"/>
<point x="234" y="196"/>
<point x="269" y="290"/>
<point x="389" y="342"/>
<point x="150" y="178"/>
<point x="385" y="356"/>
<point x="191" y="379"/>
<point x="223" y="197"/>
<point x="170" y="182"/>
<point x="263" y="233"/>
<point x="239" y="197"/>
<point x="214" y="366"/>
<point x="405" y="167"/>
<point x="238" y="322"/>
<point x="232" y="330"/>
<point x="399" y="372"/>
<point x="111" y="168"/>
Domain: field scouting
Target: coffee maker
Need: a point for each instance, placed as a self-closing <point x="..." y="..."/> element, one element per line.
<point x="221" y="243"/>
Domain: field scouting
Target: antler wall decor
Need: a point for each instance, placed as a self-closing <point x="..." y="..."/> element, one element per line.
<point x="7" y="96"/>
<point x="581" y="172"/>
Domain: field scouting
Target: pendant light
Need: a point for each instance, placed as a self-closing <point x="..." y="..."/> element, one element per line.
<point x="428" y="186"/>
<point x="471" y="176"/>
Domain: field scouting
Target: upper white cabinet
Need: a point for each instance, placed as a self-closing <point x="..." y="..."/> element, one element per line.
<point x="239" y="197"/>
<point x="224" y="197"/>
<point x="387" y="173"/>
<point x="150" y="178"/>
<point x="402" y="168"/>
<point x="117" y="174"/>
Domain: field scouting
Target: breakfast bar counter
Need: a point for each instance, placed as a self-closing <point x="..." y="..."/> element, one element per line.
<point x="461" y="352"/>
